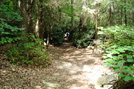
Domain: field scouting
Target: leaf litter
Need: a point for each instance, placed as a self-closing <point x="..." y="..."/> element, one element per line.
<point x="71" y="68"/>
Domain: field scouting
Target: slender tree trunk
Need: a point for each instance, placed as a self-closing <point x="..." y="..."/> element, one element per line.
<point x="72" y="14"/>
<point x="121" y="15"/>
<point x="111" y="16"/>
<point x="30" y="16"/>
<point x="48" y="39"/>
<point x="96" y="34"/>
<point x="37" y="27"/>
<point x="80" y="24"/>
<point x="125" y="12"/>
<point x="59" y="10"/>
<point x="23" y="12"/>
<point x="96" y="29"/>
<point x="133" y="18"/>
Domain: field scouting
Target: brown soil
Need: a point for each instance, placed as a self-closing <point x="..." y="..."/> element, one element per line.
<point x="71" y="68"/>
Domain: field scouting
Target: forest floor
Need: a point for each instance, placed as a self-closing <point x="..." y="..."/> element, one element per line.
<point x="71" y="68"/>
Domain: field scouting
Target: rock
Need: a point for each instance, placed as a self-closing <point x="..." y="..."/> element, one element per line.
<point x="52" y="85"/>
<point x="106" y="81"/>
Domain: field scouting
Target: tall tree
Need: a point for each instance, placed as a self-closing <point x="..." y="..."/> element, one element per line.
<point x="72" y="14"/>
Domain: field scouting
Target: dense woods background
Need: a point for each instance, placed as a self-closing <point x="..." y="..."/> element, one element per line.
<point x="107" y="25"/>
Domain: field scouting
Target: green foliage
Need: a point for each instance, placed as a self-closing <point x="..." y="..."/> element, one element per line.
<point x="29" y="52"/>
<point x="57" y="36"/>
<point x="9" y="3"/>
<point x="82" y="39"/>
<point x="9" y="32"/>
<point x="119" y="52"/>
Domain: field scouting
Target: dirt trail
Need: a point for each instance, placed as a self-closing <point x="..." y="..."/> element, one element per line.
<point x="78" y="68"/>
<point x="71" y="68"/>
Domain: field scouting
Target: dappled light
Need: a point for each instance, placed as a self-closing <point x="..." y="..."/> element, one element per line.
<point x="79" y="69"/>
<point x="66" y="44"/>
<point x="71" y="68"/>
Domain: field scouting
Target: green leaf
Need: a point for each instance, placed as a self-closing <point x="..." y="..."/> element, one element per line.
<point x="120" y="64"/>
<point x="108" y="64"/>
<point x="129" y="56"/>
<point x="120" y="49"/>
<point x="121" y="75"/>
<point x="127" y="78"/>
<point x="116" y="66"/>
<point x="108" y="60"/>
<point x="125" y="70"/>
<point x="115" y="57"/>
<point x="131" y="72"/>
<point x="115" y="52"/>
<point x="130" y="60"/>
<point x="118" y="70"/>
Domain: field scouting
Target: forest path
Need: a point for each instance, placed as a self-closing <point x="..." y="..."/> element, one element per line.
<point x="76" y="68"/>
<point x="71" y="68"/>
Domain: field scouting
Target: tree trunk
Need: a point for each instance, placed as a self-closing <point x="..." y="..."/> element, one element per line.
<point x="96" y="34"/>
<point x="72" y="14"/>
<point x="133" y="18"/>
<point x="37" y="27"/>
<point x="111" y="16"/>
<point x="25" y="8"/>
<point x="48" y="39"/>
<point x="96" y="28"/>
<point x="125" y="12"/>
<point x="80" y="24"/>
<point x="121" y="15"/>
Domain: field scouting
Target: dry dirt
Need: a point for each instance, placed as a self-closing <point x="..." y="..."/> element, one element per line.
<point x="71" y="68"/>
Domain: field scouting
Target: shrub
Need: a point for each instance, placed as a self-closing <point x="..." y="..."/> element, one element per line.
<point x="57" y="36"/>
<point x="9" y="32"/>
<point x="119" y="52"/>
<point x="82" y="39"/>
<point x="29" y="52"/>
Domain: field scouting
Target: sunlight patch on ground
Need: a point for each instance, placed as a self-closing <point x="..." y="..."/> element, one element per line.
<point x="75" y="86"/>
<point x="52" y="85"/>
<point x="65" y="65"/>
<point x="38" y="87"/>
<point x="81" y="82"/>
<point x="69" y="66"/>
<point x="86" y="68"/>
<point x="80" y="68"/>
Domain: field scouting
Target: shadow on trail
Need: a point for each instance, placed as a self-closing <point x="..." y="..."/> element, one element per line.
<point x="75" y="68"/>
<point x="71" y="68"/>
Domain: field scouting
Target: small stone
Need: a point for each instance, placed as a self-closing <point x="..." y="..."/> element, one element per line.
<point x="106" y="81"/>
<point x="52" y="85"/>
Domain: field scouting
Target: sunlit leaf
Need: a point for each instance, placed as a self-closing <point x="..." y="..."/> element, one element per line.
<point x="127" y="78"/>
<point x="130" y="60"/>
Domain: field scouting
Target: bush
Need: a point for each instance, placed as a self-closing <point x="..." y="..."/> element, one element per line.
<point x="9" y="32"/>
<point x="82" y="39"/>
<point x="57" y="36"/>
<point x="29" y="52"/>
<point x="119" y="52"/>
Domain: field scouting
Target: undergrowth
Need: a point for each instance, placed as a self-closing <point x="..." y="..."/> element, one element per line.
<point x="119" y="50"/>
<point x="29" y="51"/>
<point x="9" y="22"/>
<point x="82" y="39"/>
